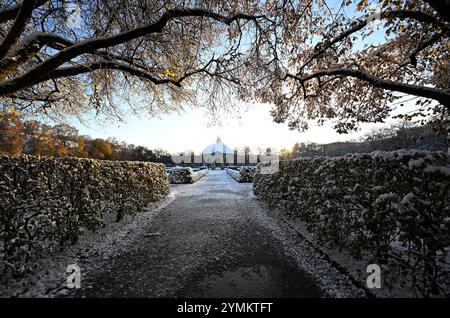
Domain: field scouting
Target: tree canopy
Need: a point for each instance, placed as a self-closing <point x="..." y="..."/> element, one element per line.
<point x="350" y="61"/>
<point x="313" y="59"/>
<point x="67" y="57"/>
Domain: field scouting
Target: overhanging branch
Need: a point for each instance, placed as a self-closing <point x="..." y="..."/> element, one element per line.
<point x="82" y="69"/>
<point x="441" y="95"/>
<point x="17" y="28"/>
<point x="11" y="12"/>
<point x="64" y="72"/>
<point x="28" y="48"/>
<point x="361" y="24"/>
<point x="92" y="45"/>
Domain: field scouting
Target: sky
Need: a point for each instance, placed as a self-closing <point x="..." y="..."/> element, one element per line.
<point x="191" y="129"/>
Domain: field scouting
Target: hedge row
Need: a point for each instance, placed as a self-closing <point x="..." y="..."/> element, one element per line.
<point x="46" y="202"/>
<point x="185" y="175"/>
<point x="392" y="207"/>
<point x="244" y="174"/>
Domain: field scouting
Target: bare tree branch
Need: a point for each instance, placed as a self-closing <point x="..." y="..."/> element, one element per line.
<point x="17" y="28"/>
<point x="82" y="69"/>
<point x="28" y="48"/>
<point x="359" y="25"/>
<point x="115" y="65"/>
<point x="441" y="95"/>
<point x="412" y="58"/>
<point x="11" y="12"/>
<point x="91" y="45"/>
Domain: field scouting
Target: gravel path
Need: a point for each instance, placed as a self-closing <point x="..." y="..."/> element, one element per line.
<point x="213" y="240"/>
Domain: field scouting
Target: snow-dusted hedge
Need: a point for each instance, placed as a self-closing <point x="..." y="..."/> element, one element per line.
<point x="247" y="174"/>
<point x="244" y="174"/>
<point x="234" y="174"/>
<point x="46" y="202"/>
<point x="185" y="175"/>
<point x="390" y="207"/>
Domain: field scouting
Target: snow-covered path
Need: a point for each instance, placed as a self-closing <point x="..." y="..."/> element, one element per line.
<point x="213" y="240"/>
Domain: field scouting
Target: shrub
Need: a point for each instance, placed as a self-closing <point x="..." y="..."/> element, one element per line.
<point x="185" y="175"/>
<point x="247" y="173"/>
<point x="234" y="174"/>
<point x="242" y="174"/>
<point x="393" y="207"/>
<point x="46" y="202"/>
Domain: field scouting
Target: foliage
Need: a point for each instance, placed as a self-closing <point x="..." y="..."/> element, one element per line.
<point x="67" y="58"/>
<point x="395" y="137"/>
<point x="185" y="175"/>
<point x="313" y="59"/>
<point x="34" y="138"/>
<point x="389" y="207"/>
<point x="10" y="139"/>
<point x="243" y="174"/>
<point x="349" y="60"/>
<point x="47" y="202"/>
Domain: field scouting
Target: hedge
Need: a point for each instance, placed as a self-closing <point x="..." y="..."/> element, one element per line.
<point x="185" y="175"/>
<point x="47" y="202"/>
<point x="390" y="207"/>
<point x="244" y="174"/>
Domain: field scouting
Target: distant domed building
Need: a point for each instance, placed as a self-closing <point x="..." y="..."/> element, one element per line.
<point x="218" y="154"/>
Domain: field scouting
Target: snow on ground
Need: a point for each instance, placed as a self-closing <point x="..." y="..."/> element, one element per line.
<point x="347" y="265"/>
<point x="335" y="282"/>
<point x="50" y="278"/>
<point x="220" y="202"/>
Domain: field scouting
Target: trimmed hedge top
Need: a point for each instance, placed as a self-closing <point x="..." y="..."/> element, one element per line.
<point x="179" y="175"/>
<point x="242" y="174"/>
